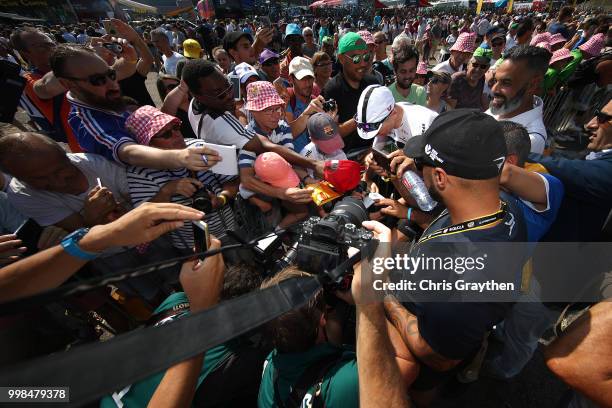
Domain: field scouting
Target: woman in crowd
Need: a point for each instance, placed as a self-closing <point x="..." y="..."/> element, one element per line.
<point x="436" y="91"/>
<point x="322" y="64"/>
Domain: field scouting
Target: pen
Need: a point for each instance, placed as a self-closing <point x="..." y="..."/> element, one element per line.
<point x="99" y="182"/>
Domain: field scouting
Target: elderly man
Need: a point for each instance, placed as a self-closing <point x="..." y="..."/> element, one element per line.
<point x="309" y="47"/>
<point x="466" y="87"/>
<point x="515" y="87"/>
<point x="461" y="52"/>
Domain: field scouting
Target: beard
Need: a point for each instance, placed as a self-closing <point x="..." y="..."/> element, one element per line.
<point x="434" y="194"/>
<point x="508" y="106"/>
<point x="405" y="84"/>
<point x="112" y="102"/>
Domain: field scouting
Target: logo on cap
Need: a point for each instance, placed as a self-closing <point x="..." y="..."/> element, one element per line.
<point x="499" y="162"/>
<point x="328" y="130"/>
<point x="432" y="153"/>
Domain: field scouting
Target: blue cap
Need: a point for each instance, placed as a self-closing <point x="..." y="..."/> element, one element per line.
<point x="293" y="29"/>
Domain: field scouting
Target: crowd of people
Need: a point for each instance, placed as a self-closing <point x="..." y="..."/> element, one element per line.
<point x="254" y="127"/>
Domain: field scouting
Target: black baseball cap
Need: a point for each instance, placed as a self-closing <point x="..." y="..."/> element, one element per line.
<point x="466" y="143"/>
<point x="230" y="39"/>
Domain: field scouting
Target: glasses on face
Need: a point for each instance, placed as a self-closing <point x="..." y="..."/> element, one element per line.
<point x="481" y="66"/>
<point x="323" y="64"/>
<point x="98" y="79"/>
<point x="169" y="133"/>
<point x="273" y="110"/>
<point x="369" y="127"/>
<point x="602" y="117"/>
<point x="223" y="93"/>
<point x="356" y="59"/>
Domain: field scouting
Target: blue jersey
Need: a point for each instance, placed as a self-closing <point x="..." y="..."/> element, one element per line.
<point x="539" y="221"/>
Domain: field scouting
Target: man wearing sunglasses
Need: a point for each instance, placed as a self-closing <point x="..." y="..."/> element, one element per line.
<point x="309" y="47"/>
<point x="496" y="39"/>
<point x="98" y="114"/>
<point x="588" y="183"/>
<point x="466" y="89"/>
<point x="347" y="86"/>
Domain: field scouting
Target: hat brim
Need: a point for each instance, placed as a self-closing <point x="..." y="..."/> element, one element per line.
<point x="303" y="73"/>
<point x="553" y="60"/>
<point x="330" y="145"/>
<point x="246" y="76"/>
<point x="273" y="101"/>
<point x="415" y="147"/>
<point x="288" y="180"/>
<point x="368" y="135"/>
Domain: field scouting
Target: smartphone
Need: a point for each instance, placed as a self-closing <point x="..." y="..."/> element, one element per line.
<point x="114" y="47"/>
<point x="29" y="233"/>
<point x="201" y="236"/>
<point x="108" y="27"/>
<point x="235" y="80"/>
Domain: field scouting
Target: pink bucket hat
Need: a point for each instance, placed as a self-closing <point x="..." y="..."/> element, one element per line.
<point x="422" y="68"/>
<point x="538" y="38"/>
<point x="262" y="95"/>
<point x="594" y="45"/>
<point x="559" y="55"/>
<point x="556" y="39"/>
<point x="271" y="168"/>
<point x="465" y="43"/>
<point x="145" y="122"/>
<point x="544" y="45"/>
<point x="367" y="37"/>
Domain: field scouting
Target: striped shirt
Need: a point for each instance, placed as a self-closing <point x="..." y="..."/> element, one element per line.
<point x="223" y="129"/>
<point x="145" y="183"/>
<point x="99" y="131"/>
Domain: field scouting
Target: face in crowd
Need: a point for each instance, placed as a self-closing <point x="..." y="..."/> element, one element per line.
<point x="268" y="118"/>
<point x="216" y="92"/>
<point x="476" y="69"/>
<point x="381" y="42"/>
<point x="355" y="64"/>
<point x="271" y="68"/>
<point x="169" y="137"/>
<point x="223" y="60"/>
<point x="243" y="52"/>
<point x="294" y="42"/>
<point x="38" y="49"/>
<point x="459" y="57"/>
<point x="600" y="129"/>
<point x="405" y="73"/>
<point x="511" y="86"/>
<point x="302" y="87"/>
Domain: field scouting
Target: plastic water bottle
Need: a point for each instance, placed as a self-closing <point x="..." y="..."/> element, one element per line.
<point x="416" y="187"/>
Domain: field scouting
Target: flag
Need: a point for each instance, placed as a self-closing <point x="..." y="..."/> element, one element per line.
<point x="479" y="6"/>
<point x="510" y="4"/>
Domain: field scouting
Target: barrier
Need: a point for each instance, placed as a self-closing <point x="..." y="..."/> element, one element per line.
<point x="572" y="108"/>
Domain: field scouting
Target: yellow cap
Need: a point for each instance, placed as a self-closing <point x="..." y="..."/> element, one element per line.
<point x="192" y="49"/>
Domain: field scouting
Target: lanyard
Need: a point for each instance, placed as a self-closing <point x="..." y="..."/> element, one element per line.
<point x="467" y="225"/>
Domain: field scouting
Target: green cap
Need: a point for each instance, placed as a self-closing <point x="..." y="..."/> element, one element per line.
<point x="327" y="40"/>
<point x="514" y="26"/>
<point x="483" y="53"/>
<point x="351" y="42"/>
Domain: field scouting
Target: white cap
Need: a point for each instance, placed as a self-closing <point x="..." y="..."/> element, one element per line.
<point x="300" y="67"/>
<point x="244" y="71"/>
<point x="375" y="104"/>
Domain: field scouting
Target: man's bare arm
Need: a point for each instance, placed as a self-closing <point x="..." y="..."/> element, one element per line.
<point x="48" y="86"/>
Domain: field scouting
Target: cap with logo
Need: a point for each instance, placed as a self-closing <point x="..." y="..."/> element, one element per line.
<point x="375" y="104"/>
<point x="245" y="71"/>
<point x="271" y="168"/>
<point x="351" y="42"/>
<point x="483" y="55"/>
<point x="324" y="133"/>
<point x="192" y="49"/>
<point x="466" y="143"/>
<point x="300" y="67"/>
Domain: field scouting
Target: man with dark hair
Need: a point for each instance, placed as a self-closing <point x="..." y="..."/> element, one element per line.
<point x="98" y="114"/>
<point x="405" y="60"/>
<point x="517" y="142"/>
<point x="515" y="87"/>
<point x="238" y="45"/>
<point x="524" y="31"/>
<point x="212" y="119"/>
<point x="560" y="26"/>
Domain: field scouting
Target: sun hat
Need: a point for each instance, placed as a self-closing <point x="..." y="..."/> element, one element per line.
<point x="465" y="43"/>
<point x="261" y="95"/>
<point x="146" y="122"/>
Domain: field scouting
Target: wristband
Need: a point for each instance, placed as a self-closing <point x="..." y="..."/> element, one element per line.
<point x="70" y="243"/>
<point x="224" y="198"/>
<point x="409" y="213"/>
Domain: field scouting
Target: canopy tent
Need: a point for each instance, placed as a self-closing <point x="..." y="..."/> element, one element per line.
<point x="144" y="8"/>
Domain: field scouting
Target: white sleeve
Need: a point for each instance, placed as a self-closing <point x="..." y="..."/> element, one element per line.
<point x="42" y="208"/>
<point x="530" y="205"/>
<point x="538" y="143"/>
<point x="229" y="131"/>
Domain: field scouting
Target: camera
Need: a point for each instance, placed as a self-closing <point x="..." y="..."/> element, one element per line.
<point x="113" y="47"/>
<point x="329" y="106"/>
<point x="323" y="242"/>
<point x="201" y="201"/>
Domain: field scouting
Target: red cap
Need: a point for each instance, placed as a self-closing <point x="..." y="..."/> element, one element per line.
<point x="344" y="175"/>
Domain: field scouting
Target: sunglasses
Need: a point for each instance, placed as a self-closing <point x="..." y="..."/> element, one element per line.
<point x="481" y="66"/>
<point x="98" y="79"/>
<point x="602" y="117"/>
<point x="357" y="58"/>
<point x="369" y="127"/>
<point x="223" y="93"/>
<point x="169" y="133"/>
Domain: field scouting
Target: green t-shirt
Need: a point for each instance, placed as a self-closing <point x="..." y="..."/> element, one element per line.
<point x="417" y="95"/>
<point x="340" y="386"/>
<point x="571" y="67"/>
<point x="550" y="79"/>
<point x="140" y="393"/>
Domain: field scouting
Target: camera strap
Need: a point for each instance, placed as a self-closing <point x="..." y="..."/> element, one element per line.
<point x="477" y="223"/>
<point x="113" y="364"/>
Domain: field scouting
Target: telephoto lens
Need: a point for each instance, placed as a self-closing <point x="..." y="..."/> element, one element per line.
<point x="201" y="201"/>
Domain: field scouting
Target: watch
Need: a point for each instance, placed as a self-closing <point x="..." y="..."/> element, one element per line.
<point x="70" y="243"/>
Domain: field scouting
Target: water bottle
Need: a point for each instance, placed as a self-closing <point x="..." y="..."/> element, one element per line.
<point x="416" y="187"/>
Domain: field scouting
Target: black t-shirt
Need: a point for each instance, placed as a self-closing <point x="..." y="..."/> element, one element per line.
<point x="454" y="328"/>
<point x="135" y="87"/>
<point x="347" y="97"/>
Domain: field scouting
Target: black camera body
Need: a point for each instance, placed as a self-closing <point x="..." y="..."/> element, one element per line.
<point x="201" y="201"/>
<point x="329" y="106"/>
<point x="323" y="242"/>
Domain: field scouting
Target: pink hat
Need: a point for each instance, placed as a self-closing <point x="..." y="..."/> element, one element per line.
<point x="538" y="38"/>
<point x="556" y="39"/>
<point x="594" y="45"/>
<point x="422" y="68"/>
<point x="543" y="44"/>
<point x="465" y="43"/>
<point x="146" y="122"/>
<point x="560" y="54"/>
<point x="271" y="168"/>
<point x="367" y="37"/>
<point x="262" y="95"/>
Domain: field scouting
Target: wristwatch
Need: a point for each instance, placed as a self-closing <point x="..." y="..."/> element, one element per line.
<point x="70" y="243"/>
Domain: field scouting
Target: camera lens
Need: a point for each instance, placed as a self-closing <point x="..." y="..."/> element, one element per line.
<point x="351" y="210"/>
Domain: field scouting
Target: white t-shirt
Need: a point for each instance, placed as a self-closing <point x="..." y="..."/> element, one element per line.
<point x="532" y="120"/>
<point x="416" y="121"/>
<point x="222" y="129"/>
<point x="445" y="66"/>
<point x="171" y="62"/>
<point x="48" y="208"/>
<point x="510" y="42"/>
